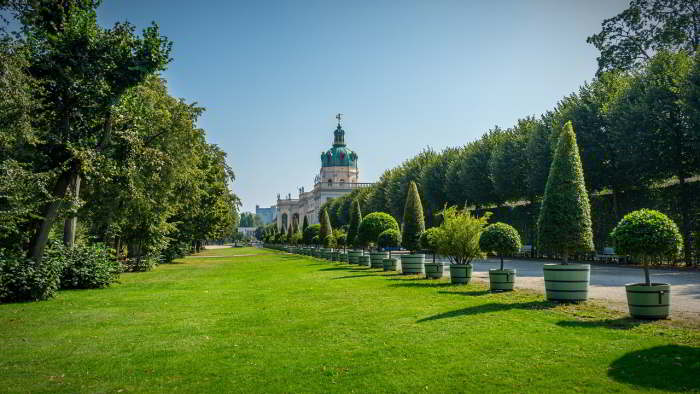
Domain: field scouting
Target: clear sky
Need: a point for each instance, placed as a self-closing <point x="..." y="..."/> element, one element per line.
<point x="406" y="74"/>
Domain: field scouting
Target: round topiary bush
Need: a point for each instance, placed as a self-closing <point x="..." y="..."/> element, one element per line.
<point x="390" y="238"/>
<point x="500" y="238"/>
<point x="647" y="234"/>
<point x="429" y="240"/>
<point x="374" y="224"/>
<point x="310" y="233"/>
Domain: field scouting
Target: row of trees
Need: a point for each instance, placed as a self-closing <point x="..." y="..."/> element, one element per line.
<point x="93" y="148"/>
<point x="637" y="124"/>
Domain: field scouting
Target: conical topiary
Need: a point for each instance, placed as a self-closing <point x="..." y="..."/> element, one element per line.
<point x="355" y="221"/>
<point x="564" y="225"/>
<point x="305" y="225"/>
<point x="413" y="222"/>
<point x="326" y="229"/>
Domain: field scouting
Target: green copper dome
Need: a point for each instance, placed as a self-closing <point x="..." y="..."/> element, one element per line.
<point x="339" y="155"/>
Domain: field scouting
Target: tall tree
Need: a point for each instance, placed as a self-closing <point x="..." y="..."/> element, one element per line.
<point x="326" y="228"/>
<point x="565" y="225"/>
<point x="83" y="70"/>
<point x="305" y="225"/>
<point x="630" y="39"/>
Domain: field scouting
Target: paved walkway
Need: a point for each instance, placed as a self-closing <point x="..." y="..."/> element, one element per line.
<point x="607" y="282"/>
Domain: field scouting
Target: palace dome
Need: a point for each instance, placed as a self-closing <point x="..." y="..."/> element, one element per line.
<point x="339" y="155"/>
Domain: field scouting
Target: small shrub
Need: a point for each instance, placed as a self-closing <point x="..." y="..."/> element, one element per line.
<point x="22" y="279"/>
<point x="355" y="222"/>
<point x="459" y="234"/>
<point x="143" y="264"/>
<point x="311" y="232"/>
<point x="429" y="240"/>
<point x="501" y="239"/>
<point x="390" y="238"/>
<point x="647" y="234"/>
<point x="374" y="224"/>
<point x="84" y="266"/>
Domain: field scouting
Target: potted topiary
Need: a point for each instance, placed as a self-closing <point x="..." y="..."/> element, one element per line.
<point x="355" y="221"/>
<point x="564" y="226"/>
<point x="501" y="239"/>
<point x="326" y="235"/>
<point x="308" y="238"/>
<point x="645" y="235"/>
<point x="413" y="227"/>
<point x="390" y="238"/>
<point x="372" y="225"/>
<point x="428" y="241"/>
<point x="341" y="242"/>
<point x="458" y="239"/>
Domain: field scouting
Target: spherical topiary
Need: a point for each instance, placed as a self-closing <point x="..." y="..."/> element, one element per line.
<point x="501" y="239"/>
<point x="390" y="238"/>
<point x="429" y="238"/>
<point x="310" y="233"/>
<point x="647" y="233"/>
<point x="374" y="224"/>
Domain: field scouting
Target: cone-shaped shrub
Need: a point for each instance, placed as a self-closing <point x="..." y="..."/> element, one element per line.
<point x="647" y="234"/>
<point x="413" y="222"/>
<point x="326" y="229"/>
<point x="564" y="225"/>
<point x="500" y="238"/>
<point x="355" y="221"/>
<point x="305" y="225"/>
<point x="374" y="224"/>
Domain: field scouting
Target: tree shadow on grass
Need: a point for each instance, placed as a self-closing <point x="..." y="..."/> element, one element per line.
<point x="426" y="284"/>
<point x="622" y="323"/>
<point x="489" y="308"/>
<point x="668" y="367"/>
<point x="466" y="293"/>
<point x="355" y="276"/>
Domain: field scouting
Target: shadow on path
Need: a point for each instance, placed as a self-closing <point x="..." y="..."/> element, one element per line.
<point x="489" y="308"/>
<point x="669" y="367"/>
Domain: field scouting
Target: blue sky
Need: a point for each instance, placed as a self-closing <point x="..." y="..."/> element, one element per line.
<point x="406" y="74"/>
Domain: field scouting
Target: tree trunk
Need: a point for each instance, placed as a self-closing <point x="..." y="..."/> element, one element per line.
<point x="685" y="219"/>
<point x="71" y="223"/>
<point x="48" y="217"/>
<point x="647" y="279"/>
<point x="565" y="257"/>
<point x="616" y="204"/>
<point x="501" y="262"/>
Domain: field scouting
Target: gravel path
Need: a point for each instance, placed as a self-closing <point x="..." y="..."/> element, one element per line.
<point x="607" y="283"/>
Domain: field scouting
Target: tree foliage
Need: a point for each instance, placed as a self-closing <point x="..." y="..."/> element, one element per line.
<point x="413" y="224"/>
<point x="374" y="224"/>
<point x="458" y="235"/>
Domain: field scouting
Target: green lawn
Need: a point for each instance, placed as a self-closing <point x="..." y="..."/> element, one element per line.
<point x="254" y="320"/>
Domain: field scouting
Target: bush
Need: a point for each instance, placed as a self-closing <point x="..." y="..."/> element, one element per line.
<point x="25" y="280"/>
<point x="84" y="267"/>
<point x="175" y="250"/>
<point x="326" y="229"/>
<point x="340" y="237"/>
<point x="143" y="264"/>
<point x="646" y="234"/>
<point x="413" y="222"/>
<point x="501" y="239"/>
<point x="374" y="224"/>
<point x="316" y="240"/>
<point x="390" y="238"/>
<point x="429" y="238"/>
<point x="458" y="238"/>
<point x="564" y="225"/>
<point x="355" y="222"/>
<point x="311" y="232"/>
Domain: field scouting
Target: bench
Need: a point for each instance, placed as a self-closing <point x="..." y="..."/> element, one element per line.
<point x="609" y="255"/>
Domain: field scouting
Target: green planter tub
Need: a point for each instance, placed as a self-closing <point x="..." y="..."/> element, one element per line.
<point x="354" y="255"/>
<point x="364" y="260"/>
<point x="390" y="264"/>
<point x="649" y="302"/>
<point x="327" y="254"/>
<point x="433" y="270"/>
<point x="335" y="256"/>
<point x="567" y="282"/>
<point x="343" y="256"/>
<point x="377" y="259"/>
<point x="461" y="273"/>
<point x="502" y="280"/>
<point x="412" y="264"/>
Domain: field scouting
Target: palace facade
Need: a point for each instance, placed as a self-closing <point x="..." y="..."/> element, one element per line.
<point x="339" y="176"/>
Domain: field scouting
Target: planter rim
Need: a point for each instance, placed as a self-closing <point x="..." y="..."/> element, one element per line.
<point x="413" y="255"/>
<point x="628" y="285"/>
<point x="437" y="263"/>
<point x="509" y="270"/>
<point x="560" y="266"/>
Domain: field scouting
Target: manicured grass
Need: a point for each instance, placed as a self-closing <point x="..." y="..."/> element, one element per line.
<point x="275" y="322"/>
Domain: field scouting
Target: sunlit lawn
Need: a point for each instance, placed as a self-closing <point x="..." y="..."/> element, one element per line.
<point x="275" y="322"/>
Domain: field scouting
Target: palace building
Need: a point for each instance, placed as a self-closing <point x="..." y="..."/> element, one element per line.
<point x="339" y="176"/>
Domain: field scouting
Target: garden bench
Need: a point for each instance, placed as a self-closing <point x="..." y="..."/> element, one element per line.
<point x="608" y="254"/>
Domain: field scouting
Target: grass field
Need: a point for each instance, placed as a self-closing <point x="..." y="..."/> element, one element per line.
<point x="252" y="320"/>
